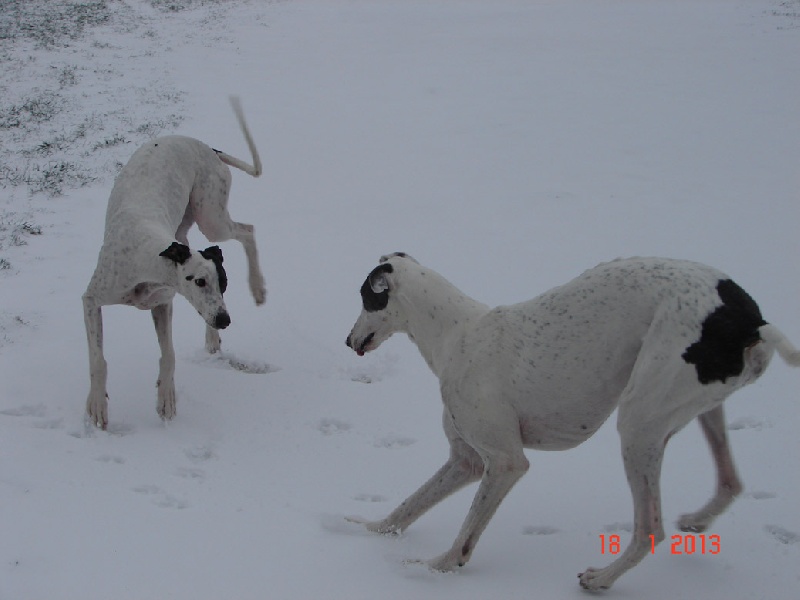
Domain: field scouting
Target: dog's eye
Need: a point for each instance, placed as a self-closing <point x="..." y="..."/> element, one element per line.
<point x="201" y="282"/>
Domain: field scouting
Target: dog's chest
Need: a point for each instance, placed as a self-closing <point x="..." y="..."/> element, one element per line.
<point x="147" y="295"/>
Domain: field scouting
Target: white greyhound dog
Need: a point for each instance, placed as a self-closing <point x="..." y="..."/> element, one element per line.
<point x="664" y="340"/>
<point x="169" y="184"/>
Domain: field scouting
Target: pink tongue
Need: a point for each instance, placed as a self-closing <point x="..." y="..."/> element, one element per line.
<point x="360" y="352"/>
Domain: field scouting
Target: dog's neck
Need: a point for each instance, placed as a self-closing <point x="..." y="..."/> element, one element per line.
<point x="437" y="315"/>
<point x="159" y="269"/>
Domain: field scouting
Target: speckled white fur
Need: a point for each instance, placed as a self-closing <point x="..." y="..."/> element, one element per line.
<point x="545" y="374"/>
<point x="168" y="185"/>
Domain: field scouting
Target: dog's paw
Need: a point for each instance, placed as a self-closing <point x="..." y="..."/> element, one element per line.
<point x="345" y="525"/>
<point x="376" y="526"/>
<point x="97" y="409"/>
<point x="258" y="289"/>
<point x="166" y="400"/>
<point x="594" y="580"/>
<point x="447" y="563"/>
<point x="694" y="522"/>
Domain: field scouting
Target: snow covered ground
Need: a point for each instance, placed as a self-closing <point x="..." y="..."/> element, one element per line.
<point x="507" y="144"/>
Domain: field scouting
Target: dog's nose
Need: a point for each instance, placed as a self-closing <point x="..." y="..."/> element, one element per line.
<point x="222" y="320"/>
<point x="347" y="342"/>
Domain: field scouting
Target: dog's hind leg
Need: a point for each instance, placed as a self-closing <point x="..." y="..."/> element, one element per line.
<point x="659" y="400"/>
<point x="181" y="234"/>
<point x="642" y="457"/>
<point x="162" y="319"/>
<point x="728" y="484"/>
<point x="244" y="233"/>
<point x="210" y="210"/>
<point x="225" y="229"/>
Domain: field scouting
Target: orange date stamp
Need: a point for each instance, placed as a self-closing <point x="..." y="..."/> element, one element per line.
<point x="684" y="544"/>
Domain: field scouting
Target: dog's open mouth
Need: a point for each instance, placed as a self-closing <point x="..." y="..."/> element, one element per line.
<point x="362" y="349"/>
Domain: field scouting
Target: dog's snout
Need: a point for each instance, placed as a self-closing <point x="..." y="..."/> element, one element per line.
<point x="222" y="320"/>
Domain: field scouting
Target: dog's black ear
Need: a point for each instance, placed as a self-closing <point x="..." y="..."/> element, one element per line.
<point x="177" y="253"/>
<point x="375" y="291"/>
<point x="214" y="254"/>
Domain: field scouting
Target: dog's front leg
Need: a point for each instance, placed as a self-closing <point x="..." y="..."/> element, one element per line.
<point x="454" y="475"/>
<point x="162" y="319"/>
<point x="97" y="401"/>
<point x="463" y="467"/>
<point x="213" y="341"/>
<point x="500" y="474"/>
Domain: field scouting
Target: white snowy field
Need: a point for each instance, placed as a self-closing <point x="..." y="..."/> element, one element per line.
<point x="507" y="144"/>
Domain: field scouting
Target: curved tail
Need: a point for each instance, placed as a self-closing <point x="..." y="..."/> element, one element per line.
<point x="255" y="168"/>
<point x="773" y="336"/>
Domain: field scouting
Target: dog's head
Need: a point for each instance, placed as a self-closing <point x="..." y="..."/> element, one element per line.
<point x="380" y="313"/>
<point x="201" y="280"/>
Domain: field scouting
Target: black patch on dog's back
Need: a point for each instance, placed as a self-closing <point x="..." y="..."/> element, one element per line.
<point x="374" y="301"/>
<point x="726" y="333"/>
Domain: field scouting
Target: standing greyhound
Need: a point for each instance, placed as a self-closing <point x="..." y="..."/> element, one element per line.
<point x="664" y="340"/>
<point x="169" y="184"/>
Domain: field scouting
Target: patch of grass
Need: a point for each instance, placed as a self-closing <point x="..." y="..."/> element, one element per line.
<point x="48" y="136"/>
<point x="790" y="11"/>
<point x="179" y="5"/>
<point x="51" y="178"/>
<point x="48" y="166"/>
<point x="46" y="148"/>
<point x="49" y="24"/>
<point x="54" y="177"/>
<point x="22" y="229"/>
<point x="115" y="140"/>
<point x="68" y="76"/>
<point x="35" y="109"/>
<point x="14" y="231"/>
<point x="153" y="129"/>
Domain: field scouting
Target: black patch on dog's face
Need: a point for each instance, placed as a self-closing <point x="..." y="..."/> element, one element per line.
<point x="726" y="333"/>
<point x="375" y="301"/>
<point x="214" y="254"/>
